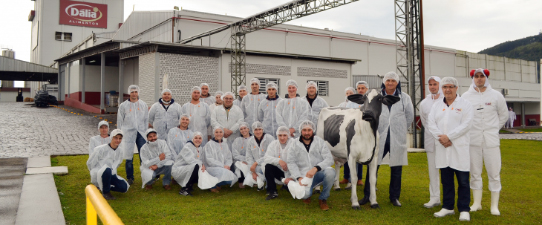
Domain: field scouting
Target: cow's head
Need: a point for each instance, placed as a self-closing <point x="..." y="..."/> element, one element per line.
<point x="372" y="105"/>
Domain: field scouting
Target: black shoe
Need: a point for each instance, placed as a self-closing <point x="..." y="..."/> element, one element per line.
<point x="185" y="192"/>
<point x="260" y="189"/>
<point x="272" y="196"/>
<point x="108" y="196"/>
<point x="284" y="187"/>
<point x="364" y="201"/>
<point x="130" y="181"/>
<point x="396" y="203"/>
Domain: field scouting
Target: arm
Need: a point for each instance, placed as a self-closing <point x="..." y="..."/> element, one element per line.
<point x="291" y="161"/>
<point x="186" y="156"/>
<point x="152" y="114"/>
<point x="326" y="154"/>
<point x="241" y="119"/>
<point x="271" y="156"/>
<point x="423" y="114"/>
<point x="260" y="112"/>
<point x="242" y="106"/>
<point x="263" y="148"/>
<point x="432" y="124"/>
<point x="303" y="114"/>
<point x="228" y="158"/>
<point x="214" y="119"/>
<point x="466" y="123"/>
<point x="146" y="157"/>
<point x="92" y="161"/>
<point x="502" y="110"/>
<point x="210" y="160"/>
<point x="236" y="147"/>
<point x="120" y="116"/>
<point x="91" y="146"/>
<point x="171" y="143"/>
<point x="165" y="149"/>
<point x="278" y="115"/>
<point x="146" y="115"/>
<point x="409" y="110"/>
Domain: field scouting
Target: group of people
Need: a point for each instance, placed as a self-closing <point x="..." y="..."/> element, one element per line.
<point x="262" y="140"/>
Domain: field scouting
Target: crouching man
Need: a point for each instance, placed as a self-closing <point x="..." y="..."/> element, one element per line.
<point x="103" y="164"/>
<point x="311" y="159"/>
<point x="156" y="161"/>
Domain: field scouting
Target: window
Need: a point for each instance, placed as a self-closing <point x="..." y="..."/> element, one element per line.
<point x="58" y="36"/>
<point x="322" y="87"/>
<point x="67" y="36"/>
<point x="265" y="81"/>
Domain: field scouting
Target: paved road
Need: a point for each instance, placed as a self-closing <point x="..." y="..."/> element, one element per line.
<point x="11" y="182"/>
<point x="27" y="131"/>
<point x="534" y="136"/>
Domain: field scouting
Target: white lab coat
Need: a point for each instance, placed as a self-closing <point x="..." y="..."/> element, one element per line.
<point x="208" y="100"/>
<point x="455" y="121"/>
<point x="511" y="118"/>
<point x="490" y="114"/>
<point x="230" y="120"/>
<point x="239" y="149"/>
<point x="97" y="141"/>
<point x="425" y="108"/>
<point x="150" y="155"/>
<point x="249" y="105"/>
<point x="300" y="161"/>
<point x="215" y="157"/>
<point x="275" y="153"/>
<point x="291" y="112"/>
<point x="176" y="140"/>
<point x="186" y="160"/>
<point x="104" y="157"/>
<point x="162" y="120"/>
<point x="132" y="118"/>
<point x="315" y="109"/>
<point x="200" y="118"/>
<point x="267" y="114"/>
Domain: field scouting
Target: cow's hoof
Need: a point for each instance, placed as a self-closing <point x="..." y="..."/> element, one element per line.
<point x="337" y="189"/>
<point x="375" y="206"/>
<point x="356" y="207"/>
<point x="364" y="201"/>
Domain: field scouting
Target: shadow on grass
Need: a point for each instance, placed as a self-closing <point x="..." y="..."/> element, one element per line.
<point x="520" y="198"/>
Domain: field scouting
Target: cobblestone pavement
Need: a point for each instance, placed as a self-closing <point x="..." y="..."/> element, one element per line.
<point x="11" y="183"/>
<point x="28" y="131"/>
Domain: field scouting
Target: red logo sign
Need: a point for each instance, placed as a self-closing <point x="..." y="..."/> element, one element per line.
<point x="83" y="14"/>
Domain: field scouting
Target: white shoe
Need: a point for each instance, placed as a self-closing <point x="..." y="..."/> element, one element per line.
<point x="464" y="216"/>
<point x="495" y="203"/>
<point x="477" y="197"/>
<point x="431" y="204"/>
<point x="444" y="212"/>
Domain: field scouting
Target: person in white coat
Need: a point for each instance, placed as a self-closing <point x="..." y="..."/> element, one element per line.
<point x="393" y="126"/>
<point x="348" y="91"/>
<point x="435" y="96"/>
<point x="218" y="160"/>
<point x="361" y="87"/>
<point x="206" y="95"/>
<point x="199" y="113"/>
<point x="164" y="114"/>
<point x="228" y="116"/>
<point x="242" y="92"/>
<point x="239" y="151"/>
<point x="133" y="120"/>
<point x="274" y="162"/>
<point x="218" y="102"/>
<point x="179" y="136"/>
<point x="316" y="103"/>
<point x="257" y="146"/>
<point x="449" y="123"/>
<point x="187" y="163"/>
<point x="103" y="138"/>
<point x="292" y="110"/>
<point x="511" y="118"/>
<point x="267" y="113"/>
<point x="252" y="101"/>
<point x="490" y="114"/>
<point x="312" y="159"/>
<point x="103" y="164"/>
<point x="156" y="161"/>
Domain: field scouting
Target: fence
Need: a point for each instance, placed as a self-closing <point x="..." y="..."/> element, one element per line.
<point x="98" y="206"/>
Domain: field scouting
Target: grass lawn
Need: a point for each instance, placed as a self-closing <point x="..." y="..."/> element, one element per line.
<point x="532" y="130"/>
<point x="521" y="201"/>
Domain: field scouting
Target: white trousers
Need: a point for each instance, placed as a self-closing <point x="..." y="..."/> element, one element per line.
<point x="491" y="157"/>
<point x="434" y="180"/>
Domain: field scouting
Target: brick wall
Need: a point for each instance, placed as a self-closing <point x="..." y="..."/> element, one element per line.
<point x="146" y="78"/>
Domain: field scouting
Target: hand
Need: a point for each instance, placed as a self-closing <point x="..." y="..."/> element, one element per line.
<point x="153" y="167"/>
<point x="162" y="156"/>
<point x="150" y="126"/>
<point x="245" y="163"/>
<point x="447" y="144"/>
<point x="283" y="165"/>
<point x="227" y="132"/>
<point x="443" y="139"/>
<point x="292" y="131"/>
<point x="209" y="137"/>
<point x="202" y="168"/>
<point x="227" y="167"/>
<point x="254" y="176"/>
<point x="311" y="172"/>
<point x="299" y="180"/>
<point x="253" y="167"/>
<point x="287" y="180"/>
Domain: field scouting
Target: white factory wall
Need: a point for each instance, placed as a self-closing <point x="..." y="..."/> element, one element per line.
<point x="11" y="96"/>
<point x="131" y="73"/>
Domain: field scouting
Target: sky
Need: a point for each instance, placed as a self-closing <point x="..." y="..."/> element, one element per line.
<point x="470" y="25"/>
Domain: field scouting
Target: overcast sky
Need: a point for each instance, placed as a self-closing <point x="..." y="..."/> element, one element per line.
<point x="470" y="25"/>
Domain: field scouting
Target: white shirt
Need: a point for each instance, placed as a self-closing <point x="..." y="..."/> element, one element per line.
<point x="425" y="109"/>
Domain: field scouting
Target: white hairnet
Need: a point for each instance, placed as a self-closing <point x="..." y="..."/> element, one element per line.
<point x="243" y="124"/>
<point x="185" y="115"/>
<point x="485" y="72"/>
<point x="195" y="88"/>
<point x="362" y="82"/>
<point x="306" y="123"/>
<point x="257" y="125"/>
<point x="219" y="93"/>
<point x="391" y="75"/>
<point x="349" y="89"/>
<point x="227" y="93"/>
<point x="166" y="90"/>
<point x="312" y="84"/>
<point x="203" y="84"/>
<point x="116" y="132"/>
<point x="290" y="83"/>
<point x="197" y="133"/>
<point x="271" y="85"/>
<point x="437" y="79"/>
<point x="255" y="80"/>
<point x="133" y="87"/>
<point x="150" y="130"/>
<point x="449" y="80"/>
<point x="241" y="87"/>
<point x="283" y="130"/>
<point x="218" y="128"/>
<point x="103" y="122"/>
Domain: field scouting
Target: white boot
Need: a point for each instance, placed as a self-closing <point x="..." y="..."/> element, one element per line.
<point x="444" y="212"/>
<point x="495" y="203"/>
<point x="464" y="216"/>
<point x="477" y="196"/>
<point x="432" y="203"/>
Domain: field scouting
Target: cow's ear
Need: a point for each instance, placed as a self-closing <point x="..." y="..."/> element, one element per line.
<point x="357" y="98"/>
<point x="390" y="100"/>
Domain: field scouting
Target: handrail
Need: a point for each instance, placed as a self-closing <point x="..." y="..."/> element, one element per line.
<point x="98" y="206"/>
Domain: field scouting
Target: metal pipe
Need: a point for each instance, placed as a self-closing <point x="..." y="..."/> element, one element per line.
<point x="83" y="63"/>
<point x="102" y="83"/>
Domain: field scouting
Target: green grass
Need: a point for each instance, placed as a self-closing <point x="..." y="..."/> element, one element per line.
<point x="520" y="198"/>
<point x="532" y="130"/>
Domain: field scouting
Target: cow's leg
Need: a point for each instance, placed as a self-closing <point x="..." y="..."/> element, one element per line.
<point x="372" y="178"/>
<point x="337" y="171"/>
<point x="354" y="180"/>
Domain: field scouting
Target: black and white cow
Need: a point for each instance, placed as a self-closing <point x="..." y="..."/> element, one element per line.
<point x="351" y="135"/>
